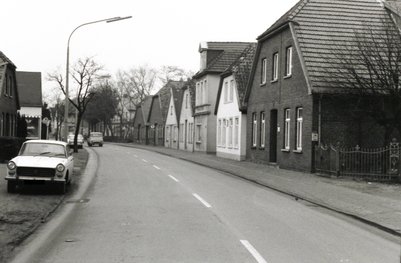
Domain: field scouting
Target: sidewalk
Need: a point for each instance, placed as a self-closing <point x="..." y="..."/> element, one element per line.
<point x="374" y="203"/>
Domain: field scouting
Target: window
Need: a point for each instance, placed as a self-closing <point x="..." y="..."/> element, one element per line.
<point x="254" y="129"/>
<point x="171" y="110"/>
<point x="224" y="133"/>
<point x="230" y="133"/>
<point x="182" y="132"/>
<point x="288" y="62"/>
<point x="287" y="121"/>
<point x="275" y="67"/>
<point x="263" y="76"/>
<point x="231" y="97"/>
<point x="262" y="130"/>
<point x="236" y="132"/>
<point x="190" y="133"/>
<point x="225" y="91"/>
<point x="198" y="132"/>
<point x="219" y="132"/>
<point x="299" y="130"/>
<point x="175" y="133"/>
<point x="167" y="133"/>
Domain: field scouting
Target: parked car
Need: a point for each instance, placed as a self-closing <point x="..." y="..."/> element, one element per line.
<point x="80" y="140"/>
<point x="43" y="162"/>
<point x="95" y="138"/>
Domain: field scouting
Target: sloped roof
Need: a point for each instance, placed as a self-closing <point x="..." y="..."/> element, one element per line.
<point x="322" y="28"/>
<point x="5" y="59"/>
<point x="145" y="106"/>
<point x="241" y="69"/>
<point x="164" y="94"/>
<point x="177" y="96"/>
<point x="29" y="88"/>
<point x="229" y="53"/>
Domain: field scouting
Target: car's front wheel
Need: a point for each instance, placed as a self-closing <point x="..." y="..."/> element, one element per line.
<point x="61" y="187"/>
<point x="11" y="186"/>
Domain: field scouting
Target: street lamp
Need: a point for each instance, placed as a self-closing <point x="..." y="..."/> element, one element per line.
<point x="108" y="20"/>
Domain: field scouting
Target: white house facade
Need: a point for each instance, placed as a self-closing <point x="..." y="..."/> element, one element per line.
<point x="187" y="128"/>
<point x="171" y="129"/>
<point x="231" y="123"/>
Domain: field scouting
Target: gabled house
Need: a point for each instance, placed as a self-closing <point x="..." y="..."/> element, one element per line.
<point x="186" y="130"/>
<point x="158" y="113"/>
<point x="9" y="101"/>
<point x="215" y="57"/>
<point x="173" y="117"/>
<point x="293" y="101"/>
<point x="140" y="122"/>
<point x="230" y="111"/>
<point x="30" y="97"/>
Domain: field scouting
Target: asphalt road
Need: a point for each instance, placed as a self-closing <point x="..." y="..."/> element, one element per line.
<point x="147" y="207"/>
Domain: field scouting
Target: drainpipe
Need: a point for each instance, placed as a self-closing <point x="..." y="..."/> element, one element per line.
<point x="319" y="128"/>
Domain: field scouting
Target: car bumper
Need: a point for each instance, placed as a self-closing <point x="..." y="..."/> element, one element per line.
<point x="31" y="178"/>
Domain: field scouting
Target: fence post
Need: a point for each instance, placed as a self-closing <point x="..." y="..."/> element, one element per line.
<point x="394" y="157"/>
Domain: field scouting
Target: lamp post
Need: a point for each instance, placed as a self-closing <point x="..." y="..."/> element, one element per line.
<point x="108" y="20"/>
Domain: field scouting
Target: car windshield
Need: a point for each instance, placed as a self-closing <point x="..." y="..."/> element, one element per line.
<point x="96" y="135"/>
<point x="45" y="149"/>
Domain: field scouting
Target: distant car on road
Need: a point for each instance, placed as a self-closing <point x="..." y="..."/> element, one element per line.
<point x="95" y="138"/>
<point x="42" y="162"/>
<point x="80" y="140"/>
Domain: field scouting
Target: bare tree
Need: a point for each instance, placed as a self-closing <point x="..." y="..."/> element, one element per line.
<point x="368" y="68"/>
<point x="84" y="73"/>
<point x="167" y="73"/>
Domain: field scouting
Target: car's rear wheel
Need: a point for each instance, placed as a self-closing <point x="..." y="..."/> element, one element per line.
<point x="101" y="145"/>
<point x="11" y="186"/>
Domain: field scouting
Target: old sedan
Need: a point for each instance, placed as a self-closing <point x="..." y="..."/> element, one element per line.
<point x="41" y="161"/>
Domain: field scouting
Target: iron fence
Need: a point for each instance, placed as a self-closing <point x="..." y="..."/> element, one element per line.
<point x="374" y="164"/>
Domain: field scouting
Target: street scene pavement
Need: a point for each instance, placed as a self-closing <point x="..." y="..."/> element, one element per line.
<point x="148" y="207"/>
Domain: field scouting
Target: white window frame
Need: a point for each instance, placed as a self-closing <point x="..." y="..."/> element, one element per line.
<point x="198" y="132"/>
<point x="263" y="78"/>
<point x="275" y="67"/>
<point x="230" y="133"/>
<point x="236" y="132"/>
<point x="219" y="132"/>
<point x="299" y="129"/>
<point x="262" y="129"/>
<point x="288" y="62"/>
<point x="254" y="129"/>
<point x="224" y="133"/>
<point x="287" y="128"/>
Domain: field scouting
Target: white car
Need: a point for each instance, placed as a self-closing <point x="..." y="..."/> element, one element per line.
<point x="43" y="162"/>
<point x="80" y="140"/>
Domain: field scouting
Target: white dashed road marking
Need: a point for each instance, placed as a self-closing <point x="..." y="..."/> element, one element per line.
<point x="172" y="177"/>
<point x="202" y="201"/>
<point x="156" y="167"/>
<point x="144" y="161"/>
<point x="253" y="251"/>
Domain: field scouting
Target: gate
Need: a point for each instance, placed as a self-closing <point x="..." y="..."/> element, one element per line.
<point x="375" y="164"/>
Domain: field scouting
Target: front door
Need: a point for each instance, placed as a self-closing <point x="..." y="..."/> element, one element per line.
<point x="273" y="137"/>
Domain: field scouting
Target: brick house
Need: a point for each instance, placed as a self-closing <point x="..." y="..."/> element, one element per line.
<point x="291" y="102"/>
<point x="30" y="97"/>
<point x="9" y="101"/>
<point x="231" y="115"/>
<point x="215" y="57"/>
<point x="186" y="130"/>
<point x="173" y="118"/>
<point x="140" y="122"/>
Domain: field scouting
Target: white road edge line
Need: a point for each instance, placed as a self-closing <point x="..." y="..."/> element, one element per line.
<point x="201" y="200"/>
<point x="253" y="251"/>
<point x="172" y="177"/>
<point x="156" y="167"/>
<point x="144" y="161"/>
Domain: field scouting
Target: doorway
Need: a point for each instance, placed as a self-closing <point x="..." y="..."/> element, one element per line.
<point x="273" y="137"/>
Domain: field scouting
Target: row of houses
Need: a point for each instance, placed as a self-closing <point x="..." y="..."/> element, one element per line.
<point x="270" y="101"/>
<point x="20" y="93"/>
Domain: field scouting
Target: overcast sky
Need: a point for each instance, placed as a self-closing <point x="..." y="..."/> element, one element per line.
<point x="161" y="32"/>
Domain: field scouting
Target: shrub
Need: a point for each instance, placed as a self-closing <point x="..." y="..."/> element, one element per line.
<point x="9" y="147"/>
